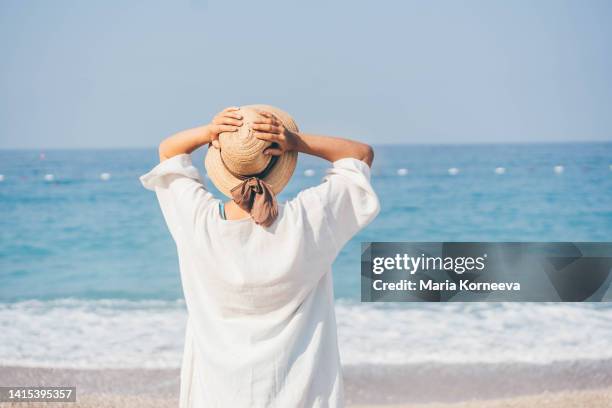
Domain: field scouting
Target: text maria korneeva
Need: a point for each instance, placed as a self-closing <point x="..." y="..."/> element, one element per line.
<point x="447" y="285"/>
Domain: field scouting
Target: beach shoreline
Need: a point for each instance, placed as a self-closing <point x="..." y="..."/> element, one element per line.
<point x="573" y="383"/>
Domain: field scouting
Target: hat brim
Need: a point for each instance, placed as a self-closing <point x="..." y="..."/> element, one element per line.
<point x="277" y="178"/>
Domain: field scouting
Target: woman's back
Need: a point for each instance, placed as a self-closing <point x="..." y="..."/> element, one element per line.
<point x="261" y="330"/>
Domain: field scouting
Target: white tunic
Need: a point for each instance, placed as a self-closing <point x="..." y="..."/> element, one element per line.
<point x="261" y="329"/>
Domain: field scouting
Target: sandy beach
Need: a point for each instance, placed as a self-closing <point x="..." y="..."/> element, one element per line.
<point x="563" y="384"/>
<point x="591" y="399"/>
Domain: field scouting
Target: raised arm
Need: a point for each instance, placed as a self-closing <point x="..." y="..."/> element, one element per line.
<point x="189" y="140"/>
<point x="270" y="128"/>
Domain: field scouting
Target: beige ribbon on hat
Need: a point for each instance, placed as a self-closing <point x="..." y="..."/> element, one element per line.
<point x="255" y="196"/>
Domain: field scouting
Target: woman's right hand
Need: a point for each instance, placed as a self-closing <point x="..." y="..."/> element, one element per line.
<point x="269" y="127"/>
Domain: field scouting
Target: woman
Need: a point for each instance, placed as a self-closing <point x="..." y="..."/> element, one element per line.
<point x="256" y="275"/>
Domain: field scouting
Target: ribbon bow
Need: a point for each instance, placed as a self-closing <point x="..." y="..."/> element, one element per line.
<point x="256" y="197"/>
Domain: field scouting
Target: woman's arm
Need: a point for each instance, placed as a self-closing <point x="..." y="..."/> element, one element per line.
<point x="329" y="148"/>
<point x="334" y="148"/>
<point x="189" y="140"/>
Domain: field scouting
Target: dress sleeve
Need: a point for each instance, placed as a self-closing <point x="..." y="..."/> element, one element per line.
<point x="346" y="198"/>
<point x="181" y="194"/>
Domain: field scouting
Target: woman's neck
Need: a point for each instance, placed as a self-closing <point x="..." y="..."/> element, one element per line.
<point x="233" y="212"/>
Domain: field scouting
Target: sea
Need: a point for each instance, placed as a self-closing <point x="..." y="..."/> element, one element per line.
<point x="89" y="274"/>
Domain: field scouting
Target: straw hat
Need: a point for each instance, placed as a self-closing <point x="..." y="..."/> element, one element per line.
<point x="241" y="154"/>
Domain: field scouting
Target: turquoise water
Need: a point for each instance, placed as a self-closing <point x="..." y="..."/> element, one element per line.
<point x="87" y="264"/>
<point x="80" y="236"/>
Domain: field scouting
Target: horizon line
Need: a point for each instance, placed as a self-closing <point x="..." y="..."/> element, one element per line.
<point x="559" y="142"/>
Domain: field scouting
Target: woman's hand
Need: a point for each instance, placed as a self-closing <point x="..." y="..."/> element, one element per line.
<point x="228" y="120"/>
<point x="269" y="127"/>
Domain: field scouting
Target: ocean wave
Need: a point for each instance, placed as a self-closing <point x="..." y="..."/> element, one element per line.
<point x="456" y="333"/>
<point x="149" y="334"/>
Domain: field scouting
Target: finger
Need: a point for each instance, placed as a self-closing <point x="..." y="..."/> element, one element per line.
<point x="226" y="128"/>
<point x="228" y="121"/>
<point x="266" y="127"/>
<point x="231" y="109"/>
<point x="270" y="137"/>
<point x="275" y="119"/>
<point x="234" y="115"/>
<point x="269" y="115"/>
<point x="273" y="151"/>
<point x="264" y="120"/>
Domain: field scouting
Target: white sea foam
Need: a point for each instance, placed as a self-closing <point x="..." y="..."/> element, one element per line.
<point x="86" y="334"/>
<point x="473" y="332"/>
<point x="149" y="334"/>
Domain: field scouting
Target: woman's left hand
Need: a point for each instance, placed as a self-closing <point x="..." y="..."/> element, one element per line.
<point x="228" y="120"/>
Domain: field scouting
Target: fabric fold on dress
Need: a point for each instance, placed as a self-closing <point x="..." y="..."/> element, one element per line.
<point x="179" y="165"/>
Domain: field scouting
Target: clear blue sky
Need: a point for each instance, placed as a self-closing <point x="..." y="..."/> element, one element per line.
<point x="128" y="73"/>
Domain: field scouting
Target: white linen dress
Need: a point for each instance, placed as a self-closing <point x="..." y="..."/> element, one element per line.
<point x="261" y="328"/>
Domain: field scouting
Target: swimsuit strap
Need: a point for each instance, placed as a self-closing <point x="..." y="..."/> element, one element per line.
<point x="222" y="210"/>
